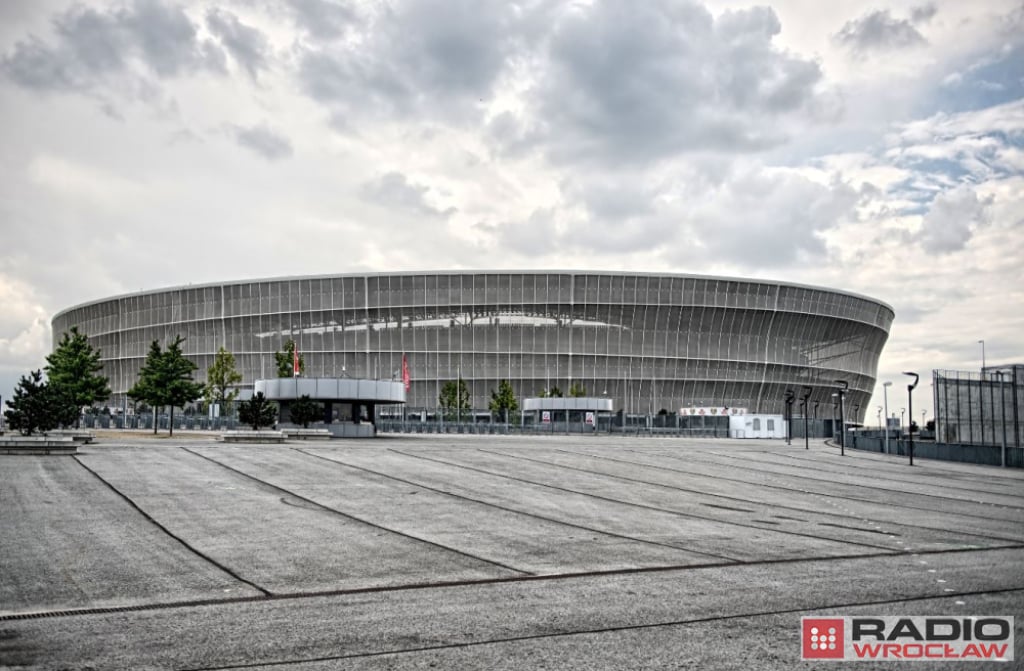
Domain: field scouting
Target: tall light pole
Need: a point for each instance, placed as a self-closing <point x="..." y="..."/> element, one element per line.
<point x="1002" y="403"/>
<point x="982" y="342"/>
<point x="885" y="393"/>
<point x="910" y="405"/>
<point x="844" y="385"/>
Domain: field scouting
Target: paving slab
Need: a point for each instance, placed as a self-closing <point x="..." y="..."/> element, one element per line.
<point x="68" y="541"/>
<point x="566" y="618"/>
<point x="698" y="535"/>
<point x="523" y="542"/>
<point x="738" y="508"/>
<point x="280" y="543"/>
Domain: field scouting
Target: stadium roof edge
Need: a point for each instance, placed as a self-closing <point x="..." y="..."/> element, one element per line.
<point x="288" y="278"/>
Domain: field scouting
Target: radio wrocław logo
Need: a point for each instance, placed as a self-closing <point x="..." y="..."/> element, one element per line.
<point x="894" y="638"/>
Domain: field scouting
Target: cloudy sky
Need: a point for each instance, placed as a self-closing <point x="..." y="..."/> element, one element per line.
<point x="876" y="147"/>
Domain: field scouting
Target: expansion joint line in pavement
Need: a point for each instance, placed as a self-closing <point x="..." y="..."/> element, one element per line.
<point x="762" y="484"/>
<point x="811" y="464"/>
<point x="149" y="518"/>
<point x="485" y="582"/>
<point x="642" y="506"/>
<point x="731" y="560"/>
<point x="747" y="467"/>
<point x="357" y="519"/>
<point x="616" y="476"/>
<point x="599" y="630"/>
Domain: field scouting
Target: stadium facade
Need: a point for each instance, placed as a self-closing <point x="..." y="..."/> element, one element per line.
<point x="648" y="341"/>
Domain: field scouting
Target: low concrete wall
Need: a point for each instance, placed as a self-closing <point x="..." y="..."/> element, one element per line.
<point x="251" y="437"/>
<point x="988" y="455"/>
<point x="306" y="434"/>
<point x="16" y="444"/>
<point x="350" y="430"/>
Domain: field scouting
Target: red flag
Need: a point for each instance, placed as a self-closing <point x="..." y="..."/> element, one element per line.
<point x="405" y="372"/>
<point x="295" y="361"/>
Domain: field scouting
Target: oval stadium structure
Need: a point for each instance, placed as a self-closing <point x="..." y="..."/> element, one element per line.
<point x="648" y="341"/>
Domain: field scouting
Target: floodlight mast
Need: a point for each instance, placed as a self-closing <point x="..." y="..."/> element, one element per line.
<point x="910" y="407"/>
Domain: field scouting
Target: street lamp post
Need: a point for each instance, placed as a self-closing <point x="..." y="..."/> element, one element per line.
<point x="807" y="436"/>
<point x="885" y="393"/>
<point x="1002" y="403"/>
<point x="844" y="385"/>
<point x="982" y="342"/>
<point x="910" y="405"/>
<point x="789" y="417"/>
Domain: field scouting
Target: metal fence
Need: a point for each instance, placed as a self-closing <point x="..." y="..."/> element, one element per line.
<point x="979" y="408"/>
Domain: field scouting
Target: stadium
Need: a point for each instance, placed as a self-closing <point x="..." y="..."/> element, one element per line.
<point x="647" y="341"/>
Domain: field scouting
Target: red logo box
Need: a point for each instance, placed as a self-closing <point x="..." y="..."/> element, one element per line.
<point x="822" y="638"/>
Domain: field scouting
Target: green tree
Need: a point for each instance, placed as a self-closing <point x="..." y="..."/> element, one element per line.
<point x="553" y="392"/>
<point x="221" y="379"/>
<point x="503" y="402"/>
<point x="577" y="390"/>
<point x="39" y="406"/>
<point x="454" y="398"/>
<point x="305" y="410"/>
<point x="182" y="389"/>
<point x="149" y="388"/>
<point x="74" y="368"/>
<point x="257" y="411"/>
<point x="166" y="379"/>
<point x="285" y="360"/>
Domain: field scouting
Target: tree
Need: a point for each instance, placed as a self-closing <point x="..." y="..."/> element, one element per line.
<point x="166" y="379"/>
<point x="577" y="390"/>
<point x="503" y="401"/>
<point x="150" y="388"/>
<point x="454" y="397"/>
<point x="39" y="406"/>
<point x="221" y="378"/>
<point x="257" y="411"/>
<point x="182" y="389"/>
<point x="554" y="392"/>
<point x="285" y="360"/>
<point x="74" y="367"/>
<point x="305" y="410"/>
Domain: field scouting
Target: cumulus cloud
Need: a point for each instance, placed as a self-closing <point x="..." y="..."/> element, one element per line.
<point x="880" y="31"/>
<point x="424" y="58"/>
<point x="639" y="82"/>
<point x="394" y="190"/>
<point x="952" y="219"/>
<point x="324" y="19"/>
<point x="267" y="143"/>
<point x="24" y="326"/>
<point x="95" y="49"/>
<point x="247" y="45"/>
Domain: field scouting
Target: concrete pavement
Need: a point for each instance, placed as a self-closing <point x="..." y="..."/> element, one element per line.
<point x="486" y="552"/>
